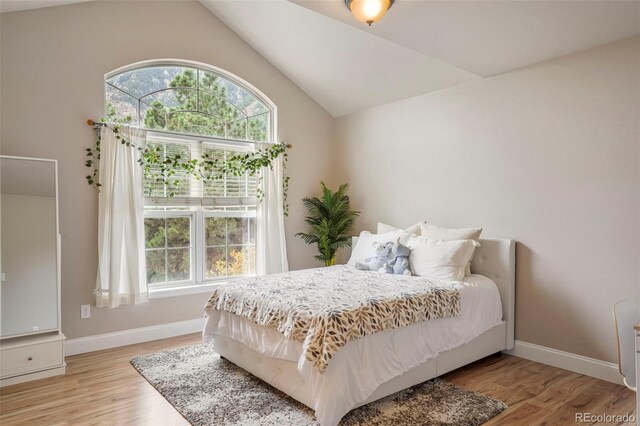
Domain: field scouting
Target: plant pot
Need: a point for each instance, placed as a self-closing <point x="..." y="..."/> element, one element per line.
<point x="330" y="262"/>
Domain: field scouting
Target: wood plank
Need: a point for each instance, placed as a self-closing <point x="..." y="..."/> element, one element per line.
<point x="102" y="388"/>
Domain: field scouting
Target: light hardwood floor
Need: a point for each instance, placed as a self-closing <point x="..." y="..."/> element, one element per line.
<point x="101" y="388"/>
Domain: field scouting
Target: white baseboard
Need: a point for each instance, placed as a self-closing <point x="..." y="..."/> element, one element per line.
<point x="129" y="337"/>
<point x="568" y="361"/>
<point x="565" y="360"/>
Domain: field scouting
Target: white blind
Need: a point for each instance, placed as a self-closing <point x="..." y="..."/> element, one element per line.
<point x="184" y="189"/>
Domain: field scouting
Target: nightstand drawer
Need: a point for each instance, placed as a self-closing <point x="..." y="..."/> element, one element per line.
<point x="25" y="359"/>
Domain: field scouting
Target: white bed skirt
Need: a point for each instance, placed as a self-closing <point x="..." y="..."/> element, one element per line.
<point x="284" y="375"/>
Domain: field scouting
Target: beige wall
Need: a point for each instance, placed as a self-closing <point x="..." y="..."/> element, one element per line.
<point x="52" y="66"/>
<point x="548" y="155"/>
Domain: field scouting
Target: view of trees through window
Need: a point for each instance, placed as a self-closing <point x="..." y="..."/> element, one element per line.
<point x="193" y="101"/>
<point x="229" y="248"/>
<point x="168" y="249"/>
<point x="186" y="100"/>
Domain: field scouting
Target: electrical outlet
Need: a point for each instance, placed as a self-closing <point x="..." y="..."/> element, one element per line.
<point x="85" y="311"/>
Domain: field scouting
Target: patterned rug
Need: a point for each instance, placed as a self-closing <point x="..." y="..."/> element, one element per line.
<point x="208" y="390"/>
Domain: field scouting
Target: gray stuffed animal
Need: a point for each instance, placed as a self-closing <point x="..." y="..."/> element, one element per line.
<point x="399" y="264"/>
<point x="379" y="261"/>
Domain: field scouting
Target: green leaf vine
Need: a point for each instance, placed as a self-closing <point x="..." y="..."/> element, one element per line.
<point x="162" y="168"/>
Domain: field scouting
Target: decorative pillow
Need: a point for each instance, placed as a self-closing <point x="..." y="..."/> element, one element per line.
<point x="365" y="247"/>
<point x="436" y="232"/>
<point x="413" y="229"/>
<point x="440" y="260"/>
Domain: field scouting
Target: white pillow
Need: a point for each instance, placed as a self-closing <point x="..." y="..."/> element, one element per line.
<point x="413" y="229"/>
<point x="436" y="232"/>
<point x="365" y="246"/>
<point x="440" y="260"/>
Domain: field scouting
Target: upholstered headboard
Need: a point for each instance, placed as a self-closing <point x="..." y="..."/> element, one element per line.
<point x="496" y="259"/>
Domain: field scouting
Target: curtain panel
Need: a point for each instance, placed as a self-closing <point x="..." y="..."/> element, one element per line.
<point x="271" y="248"/>
<point x="121" y="246"/>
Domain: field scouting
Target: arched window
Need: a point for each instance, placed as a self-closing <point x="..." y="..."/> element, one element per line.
<point x="198" y="233"/>
<point x="188" y="98"/>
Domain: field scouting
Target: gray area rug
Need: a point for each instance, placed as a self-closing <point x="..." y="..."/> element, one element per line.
<point x="208" y="390"/>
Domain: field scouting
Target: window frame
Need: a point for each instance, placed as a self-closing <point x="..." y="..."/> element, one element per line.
<point x="197" y="211"/>
<point x="193" y="239"/>
<point x="272" y="130"/>
<point x="221" y="214"/>
<point x="198" y="245"/>
<point x="197" y="283"/>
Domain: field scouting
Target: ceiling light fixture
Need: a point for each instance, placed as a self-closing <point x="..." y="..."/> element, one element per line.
<point x="368" y="11"/>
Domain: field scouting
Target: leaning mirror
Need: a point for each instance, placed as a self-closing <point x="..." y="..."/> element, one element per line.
<point x="28" y="246"/>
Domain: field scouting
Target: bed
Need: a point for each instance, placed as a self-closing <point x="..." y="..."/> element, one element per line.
<point x="380" y="364"/>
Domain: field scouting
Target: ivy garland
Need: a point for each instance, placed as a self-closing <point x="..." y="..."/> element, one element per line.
<point x="162" y="169"/>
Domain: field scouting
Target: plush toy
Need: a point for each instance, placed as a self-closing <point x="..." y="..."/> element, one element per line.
<point x="379" y="261"/>
<point x="399" y="264"/>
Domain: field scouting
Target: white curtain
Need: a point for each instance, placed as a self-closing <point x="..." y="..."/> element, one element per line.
<point x="271" y="246"/>
<point x="121" y="258"/>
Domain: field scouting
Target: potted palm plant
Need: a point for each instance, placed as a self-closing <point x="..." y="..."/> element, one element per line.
<point x="331" y="219"/>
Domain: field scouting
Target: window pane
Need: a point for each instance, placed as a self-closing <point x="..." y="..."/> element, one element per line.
<point x="237" y="129"/>
<point x="212" y="83"/>
<point x="235" y="186"/>
<point x="179" y="183"/>
<point x="187" y="100"/>
<point x="242" y="260"/>
<point x="120" y="107"/>
<point x="196" y="123"/>
<point x="218" y="106"/>
<point x="258" y="128"/>
<point x="154" y="232"/>
<point x="252" y="230"/>
<point x="216" y="231"/>
<point x="155" y="266"/>
<point x="172" y="99"/>
<point x="233" y="93"/>
<point x="179" y="264"/>
<point x="178" y="232"/>
<point x="153" y="116"/>
<point x="146" y="80"/>
<point x="254" y="107"/>
<point x="216" y="262"/>
<point x="238" y="229"/>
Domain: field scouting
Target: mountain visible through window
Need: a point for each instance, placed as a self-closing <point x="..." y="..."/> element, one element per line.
<point x="186" y="100"/>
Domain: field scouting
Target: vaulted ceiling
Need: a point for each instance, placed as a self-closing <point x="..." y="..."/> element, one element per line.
<point x="492" y="37"/>
<point x="343" y="68"/>
<point x="420" y="46"/>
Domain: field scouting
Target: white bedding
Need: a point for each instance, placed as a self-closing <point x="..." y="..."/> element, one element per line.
<point x="381" y="356"/>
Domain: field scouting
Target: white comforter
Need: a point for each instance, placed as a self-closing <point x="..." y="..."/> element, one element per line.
<point x="382" y="355"/>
